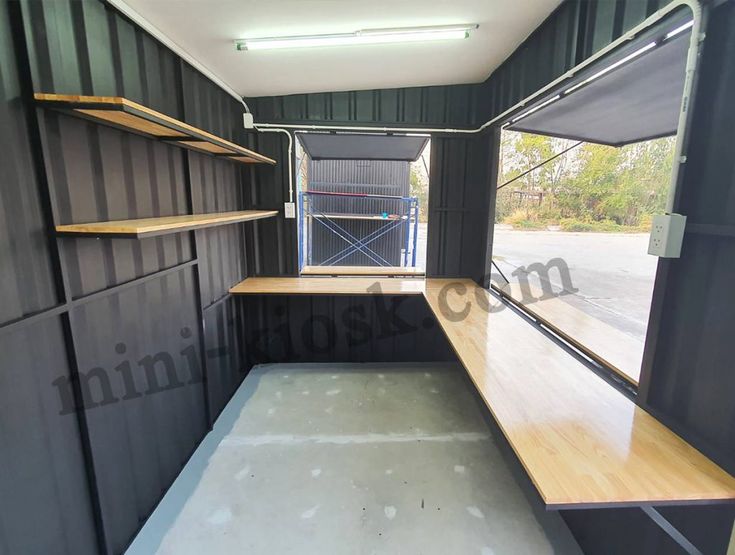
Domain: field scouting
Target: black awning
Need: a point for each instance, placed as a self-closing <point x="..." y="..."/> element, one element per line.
<point x="637" y="101"/>
<point x="331" y="146"/>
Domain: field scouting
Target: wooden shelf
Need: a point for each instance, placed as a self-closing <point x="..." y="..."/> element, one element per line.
<point x="151" y="227"/>
<point x="583" y="443"/>
<point x="370" y="217"/>
<point x="131" y="116"/>
<point x="360" y="271"/>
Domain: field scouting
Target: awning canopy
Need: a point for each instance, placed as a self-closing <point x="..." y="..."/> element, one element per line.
<point x="342" y="146"/>
<point x="636" y="101"/>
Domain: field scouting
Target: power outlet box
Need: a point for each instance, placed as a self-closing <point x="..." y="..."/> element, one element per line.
<point x="667" y="235"/>
<point x="289" y="209"/>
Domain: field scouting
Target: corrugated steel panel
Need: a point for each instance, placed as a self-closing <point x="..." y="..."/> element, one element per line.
<point x="459" y="207"/>
<point x="690" y="378"/>
<point x="430" y="106"/>
<point x="137" y="443"/>
<point x="208" y="107"/>
<point x="358" y="173"/>
<point x="217" y="186"/>
<point x="345" y="328"/>
<point x="148" y="427"/>
<point x="272" y="245"/>
<point x="97" y="173"/>
<point x="85" y="47"/>
<point x="45" y="496"/>
<point x="573" y="32"/>
<point x="224" y="351"/>
<point x="24" y="247"/>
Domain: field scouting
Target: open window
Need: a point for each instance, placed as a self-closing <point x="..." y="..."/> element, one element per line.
<point x="583" y="170"/>
<point x="362" y="203"/>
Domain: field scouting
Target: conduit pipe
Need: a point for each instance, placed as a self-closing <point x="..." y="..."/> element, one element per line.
<point x="681" y="139"/>
<point x="290" y="154"/>
<point x="692" y="59"/>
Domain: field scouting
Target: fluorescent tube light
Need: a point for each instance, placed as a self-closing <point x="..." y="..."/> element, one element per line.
<point x="367" y="36"/>
<point x="611" y="67"/>
<point x="679" y="29"/>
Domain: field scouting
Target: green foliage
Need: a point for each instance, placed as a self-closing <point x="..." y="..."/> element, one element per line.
<point x="519" y="220"/>
<point x="604" y="226"/>
<point x="419" y="187"/>
<point x="591" y="188"/>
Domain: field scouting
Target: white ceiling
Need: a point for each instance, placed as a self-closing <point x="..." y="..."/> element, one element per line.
<point x="206" y="29"/>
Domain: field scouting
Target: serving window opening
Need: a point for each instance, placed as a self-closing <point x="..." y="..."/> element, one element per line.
<point x="362" y="203"/>
<point x="582" y="173"/>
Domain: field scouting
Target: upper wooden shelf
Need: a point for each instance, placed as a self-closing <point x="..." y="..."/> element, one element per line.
<point x="360" y="271"/>
<point x="131" y="116"/>
<point x="151" y="227"/>
<point x="366" y="217"/>
<point x="582" y="442"/>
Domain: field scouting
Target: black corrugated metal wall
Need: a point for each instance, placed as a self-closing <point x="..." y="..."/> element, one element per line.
<point x="457" y="183"/>
<point x="82" y="304"/>
<point x="575" y="30"/>
<point x="414" y="106"/>
<point x="459" y="206"/>
<point x="283" y="328"/>
<point x="686" y="378"/>
<point x="141" y="334"/>
<point x="123" y="327"/>
<point x="572" y="33"/>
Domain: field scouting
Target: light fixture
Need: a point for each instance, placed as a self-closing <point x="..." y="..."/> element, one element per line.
<point x="366" y="36"/>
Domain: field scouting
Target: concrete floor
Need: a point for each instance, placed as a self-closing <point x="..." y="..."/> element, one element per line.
<point x="353" y="458"/>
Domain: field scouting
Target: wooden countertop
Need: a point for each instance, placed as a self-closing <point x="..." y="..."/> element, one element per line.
<point x="329" y="286"/>
<point x="582" y="442"/>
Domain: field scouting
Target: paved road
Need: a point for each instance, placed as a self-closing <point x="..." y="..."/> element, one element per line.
<point x="612" y="271"/>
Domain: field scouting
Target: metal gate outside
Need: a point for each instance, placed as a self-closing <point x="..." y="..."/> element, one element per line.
<point x="357" y="229"/>
<point x="355" y="207"/>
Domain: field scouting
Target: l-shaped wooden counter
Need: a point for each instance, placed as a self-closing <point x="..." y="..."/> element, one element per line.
<point x="583" y="443"/>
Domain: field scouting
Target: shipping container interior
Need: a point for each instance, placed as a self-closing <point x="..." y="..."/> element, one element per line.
<point x="248" y="294"/>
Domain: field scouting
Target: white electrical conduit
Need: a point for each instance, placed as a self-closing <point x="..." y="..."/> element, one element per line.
<point x="692" y="58"/>
<point x="290" y="155"/>
<point x="691" y="65"/>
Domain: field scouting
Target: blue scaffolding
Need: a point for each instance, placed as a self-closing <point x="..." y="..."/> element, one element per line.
<point x="336" y="213"/>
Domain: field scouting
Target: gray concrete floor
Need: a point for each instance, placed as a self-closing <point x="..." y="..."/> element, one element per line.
<point x="353" y="458"/>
